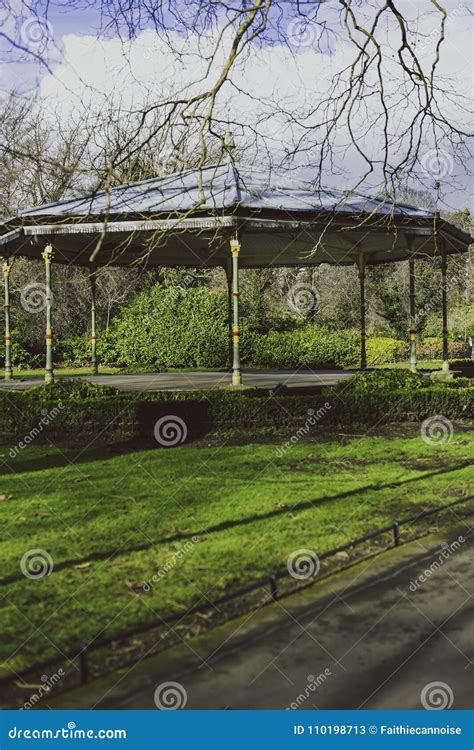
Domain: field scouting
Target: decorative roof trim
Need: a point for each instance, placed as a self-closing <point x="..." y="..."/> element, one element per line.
<point x="194" y="223"/>
<point x="132" y="226"/>
<point x="10" y="236"/>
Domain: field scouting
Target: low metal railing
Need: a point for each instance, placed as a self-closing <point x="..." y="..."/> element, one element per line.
<point x="80" y="653"/>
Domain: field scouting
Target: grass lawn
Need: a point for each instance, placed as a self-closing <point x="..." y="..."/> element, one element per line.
<point x="111" y="519"/>
<point x="424" y="364"/>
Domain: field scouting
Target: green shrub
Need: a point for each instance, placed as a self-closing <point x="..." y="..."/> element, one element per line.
<point x="74" y="351"/>
<point x="381" y="350"/>
<point x="168" y="327"/>
<point x="81" y="409"/>
<point x="456" y="383"/>
<point x="432" y="348"/>
<point x="311" y="346"/>
<point x="70" y="389"/>
<point x="22" y="358"/>
<point x="381" y="381"/>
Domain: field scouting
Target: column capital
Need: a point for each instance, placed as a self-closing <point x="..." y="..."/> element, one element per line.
<point x="48" y="254"/>
<point x="235" y="247"/>
<point x="6" y="267"/>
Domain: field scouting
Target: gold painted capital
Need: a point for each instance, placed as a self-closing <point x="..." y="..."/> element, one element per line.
<point x="235" y="247"/>
<point x="7" y="267"/>
<point x="47" y="254"/>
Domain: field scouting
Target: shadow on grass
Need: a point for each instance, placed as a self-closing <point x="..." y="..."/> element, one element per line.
<point x="241" y="522"/>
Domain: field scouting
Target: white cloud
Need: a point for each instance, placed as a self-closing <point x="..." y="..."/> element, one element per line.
<point x="147" y="69"/>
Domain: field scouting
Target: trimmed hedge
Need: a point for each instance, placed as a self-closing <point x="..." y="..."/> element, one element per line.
<point x="168" y="327"/>
<point x="381" y="350"/>
<point x="432" y="348"/>
<point x="78" y="412"/>
<point x="310" y="346"/>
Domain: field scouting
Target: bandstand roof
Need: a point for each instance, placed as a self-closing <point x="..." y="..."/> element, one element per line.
<point x="186" y="219"/>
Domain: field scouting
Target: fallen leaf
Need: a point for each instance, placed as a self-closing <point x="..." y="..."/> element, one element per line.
<point x="84" y="565"/>
<point x="40" y="514"/>
<point x="5" y="497"/>
<point x="134" y="586"/>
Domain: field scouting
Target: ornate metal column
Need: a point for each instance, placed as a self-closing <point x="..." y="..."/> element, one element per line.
<point x="413" y="325"/>
<point x="363" y="335"/>
<point x="47" y="256"/>
<point x="236" y="373"/>
<point x="444" y="306"/>
<point x="228" y="275"/>
<point x="8" y="338"/>
<point x="93" y="279"/>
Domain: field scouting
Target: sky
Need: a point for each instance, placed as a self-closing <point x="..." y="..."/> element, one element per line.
<point x="85" y="65"/>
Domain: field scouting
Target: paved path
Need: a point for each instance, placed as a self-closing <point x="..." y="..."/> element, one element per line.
<point x="196" y="381"/>
<point x="368" y="639"/>
<point x="381" y="645"/>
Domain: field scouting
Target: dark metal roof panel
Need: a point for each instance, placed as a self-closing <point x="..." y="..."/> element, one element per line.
<point x="221" y="188"/>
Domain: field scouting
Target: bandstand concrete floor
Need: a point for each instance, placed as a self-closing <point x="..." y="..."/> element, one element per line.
<point x="199" y="381"/>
